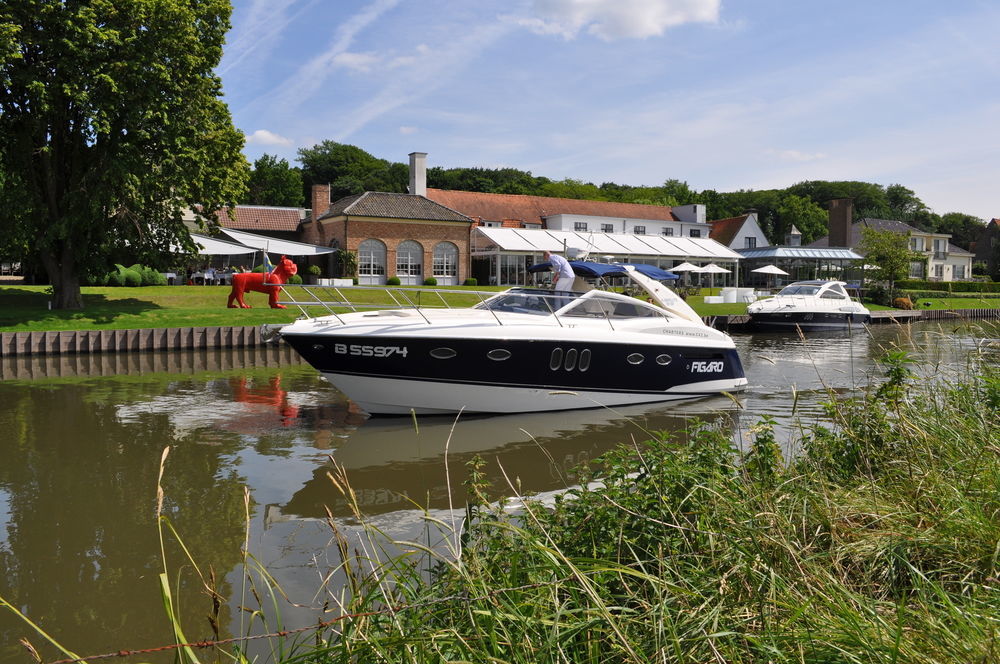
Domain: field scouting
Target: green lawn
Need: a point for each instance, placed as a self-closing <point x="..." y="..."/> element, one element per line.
<point x="25" y="308"/>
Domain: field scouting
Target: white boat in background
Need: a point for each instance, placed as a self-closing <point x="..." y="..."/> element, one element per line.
<point x="809" y="305"/>
<point x="522" y="350"/>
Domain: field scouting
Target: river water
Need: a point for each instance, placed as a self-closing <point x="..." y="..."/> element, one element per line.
<point x="253" y="437"/>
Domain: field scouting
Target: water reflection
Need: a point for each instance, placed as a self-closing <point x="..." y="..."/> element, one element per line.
<point x="394" y="463"/>
<point x="83" y="436"/>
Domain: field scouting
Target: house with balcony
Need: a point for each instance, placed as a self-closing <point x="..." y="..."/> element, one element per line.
<point x="939" y="259"/>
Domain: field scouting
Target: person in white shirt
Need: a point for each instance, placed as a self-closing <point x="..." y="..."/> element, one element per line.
<point x="564" y="276"/>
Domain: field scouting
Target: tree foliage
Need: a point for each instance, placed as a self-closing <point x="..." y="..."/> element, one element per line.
<point x="111" y="126"/>
<point x="349" y="170"/>
<point x="889" y="255"/>
<point x="274" y="182"/>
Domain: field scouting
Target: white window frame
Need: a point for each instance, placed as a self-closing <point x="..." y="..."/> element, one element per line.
<point x="445" y="261"/>
<point x="371" y="262"/>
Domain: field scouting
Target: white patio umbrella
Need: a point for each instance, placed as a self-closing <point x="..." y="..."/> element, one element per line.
<point x="686" y="267"/>
<point x="711" y="270"/>
<point x="772" y="270"/>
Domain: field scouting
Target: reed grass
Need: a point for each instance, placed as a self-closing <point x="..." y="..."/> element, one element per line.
<point x="879" y="543"/>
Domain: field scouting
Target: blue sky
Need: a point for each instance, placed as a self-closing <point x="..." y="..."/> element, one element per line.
<point x="723" y="95"/>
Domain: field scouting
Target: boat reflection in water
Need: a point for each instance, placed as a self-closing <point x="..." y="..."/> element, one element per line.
<point x="399" y="464"/>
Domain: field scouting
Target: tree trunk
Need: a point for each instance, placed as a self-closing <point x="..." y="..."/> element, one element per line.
<point x="61" y="269"/>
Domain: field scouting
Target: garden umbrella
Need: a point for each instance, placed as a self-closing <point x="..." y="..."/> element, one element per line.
<point x="711" y="270"/>
<point x="771" y="269"/>
<point x="685" y="267"/>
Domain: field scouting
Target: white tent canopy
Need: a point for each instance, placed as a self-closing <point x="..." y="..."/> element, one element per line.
<point x="620" y="245"/>
<point x="275" y="246"/>
<point x="209" y="246"/>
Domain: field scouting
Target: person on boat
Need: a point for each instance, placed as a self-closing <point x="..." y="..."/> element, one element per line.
<point x="564" y="276"/>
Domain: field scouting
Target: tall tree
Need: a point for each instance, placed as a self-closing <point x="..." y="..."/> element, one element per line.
<point x="964" y="228"/>
<point x="274" y="182"/>
<point x="349" y="170"/>
<point x="111" y="125"/>
<point x="889" y="253"/>
<point x="808" y="217"/>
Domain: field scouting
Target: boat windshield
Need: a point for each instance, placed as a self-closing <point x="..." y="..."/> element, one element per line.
<point x="524" y="301"/>
<point x="800" y="289"/>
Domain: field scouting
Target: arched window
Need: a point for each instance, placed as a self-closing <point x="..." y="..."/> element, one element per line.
<point x="409" y="262"/>
<point x="371" y="262"/>
<point x="446" y="263"/>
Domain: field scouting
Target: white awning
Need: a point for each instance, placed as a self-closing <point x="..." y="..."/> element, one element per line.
<point x="275" y="246"/>
<point x="619" y="245"/>
<point x="209" y="246"/>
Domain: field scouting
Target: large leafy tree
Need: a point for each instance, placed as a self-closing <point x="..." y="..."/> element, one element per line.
<point x="889" y="255"/>
<point x="274" y="182"/>
<point x="111" y="126"/>
<point x="350" y="170"/>
<point x="808" y="217"/>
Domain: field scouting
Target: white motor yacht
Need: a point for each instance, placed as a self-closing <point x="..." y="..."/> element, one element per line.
<point x="809" y="305"/>
<point x="524" y="349"/>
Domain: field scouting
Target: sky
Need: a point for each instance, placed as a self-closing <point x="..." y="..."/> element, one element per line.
<point x="723" y="95"/>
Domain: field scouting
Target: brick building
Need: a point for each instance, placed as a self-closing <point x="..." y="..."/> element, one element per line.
<point x="403" y="235"/>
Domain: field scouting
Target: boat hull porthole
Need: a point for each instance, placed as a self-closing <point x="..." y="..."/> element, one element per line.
<point x="499" y="354"/>
<point x="663" y="360"/>
<point x="635" y="358"/>
<point x="443" y="353"/>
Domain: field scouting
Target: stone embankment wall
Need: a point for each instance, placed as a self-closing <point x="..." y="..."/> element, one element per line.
<point x="116" y="341"/>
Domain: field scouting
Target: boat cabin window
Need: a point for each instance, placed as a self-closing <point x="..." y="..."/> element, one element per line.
<point x="608" y="307"/>
<point x="800" y="289"/>
<point x="524" y="301"/>
<point x="835" y="292"/>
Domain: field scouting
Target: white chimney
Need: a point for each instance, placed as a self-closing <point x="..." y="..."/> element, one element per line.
<point x="418" y="173"/>
<point x="693" y="213"/>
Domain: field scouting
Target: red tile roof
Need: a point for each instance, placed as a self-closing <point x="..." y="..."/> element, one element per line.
<point x="533" y="209"/>
<point x="724" y="230"/>
<point x="262" y="218"/>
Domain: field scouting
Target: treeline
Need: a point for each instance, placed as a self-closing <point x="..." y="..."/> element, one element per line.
<point x="350" y="170"/>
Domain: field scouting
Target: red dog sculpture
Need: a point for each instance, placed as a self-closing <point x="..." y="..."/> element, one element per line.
<point x="254" y="281"/>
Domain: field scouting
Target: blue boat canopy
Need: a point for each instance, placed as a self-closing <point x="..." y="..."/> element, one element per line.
<point x="591" y="269"/>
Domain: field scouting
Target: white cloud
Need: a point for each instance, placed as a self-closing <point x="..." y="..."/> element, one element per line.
<point x="359" y="62"/>
<point x="618" y="19"/>
<point x="310" y="76"/>
<point x="407" y="131"/>
<point x="257" y="32"/>
<point x="265" y="137"/>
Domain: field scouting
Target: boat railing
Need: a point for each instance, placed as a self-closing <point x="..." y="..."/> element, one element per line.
<point x="322" y="300"/>
<point x="334" y="300"/>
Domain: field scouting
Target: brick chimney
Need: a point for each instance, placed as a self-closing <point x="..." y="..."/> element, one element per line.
<point x="841" y="217"/>
<point x="320" y="205"/>
<point x="418" y="173"/>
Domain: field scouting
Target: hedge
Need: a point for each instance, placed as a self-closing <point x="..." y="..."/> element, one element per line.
<point x="950" y="286"/>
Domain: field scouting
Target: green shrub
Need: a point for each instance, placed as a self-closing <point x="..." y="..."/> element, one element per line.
<point x="430" y="281"/>
<point x="131" y="278"/>
<point x="471" y="281"/>
<point x="392" y="281"/>
<point x="294" y="279"/>
<point x="950" y="286"/>
<point x="115" y="277"/>
<point x="314" y="270"/>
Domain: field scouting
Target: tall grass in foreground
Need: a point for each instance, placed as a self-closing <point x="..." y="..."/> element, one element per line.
<point x="878" y="544"/>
